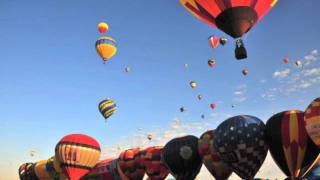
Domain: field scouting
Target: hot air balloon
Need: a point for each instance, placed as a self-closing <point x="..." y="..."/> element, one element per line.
<point x="298" y="63"/>
<point x="214" y="41"/>
<point x="235" y="18"/>
<point x="127" y="69"/>
<point x="289" y="144"/>
<point x="193" y="84"/>
<point x="53" y="168"/>
<point x="241" y="144"/>
<point x="155" y="169"/>
<point x="212" y="105"/>
<point x="202" y="116"/>
<point x="32" y="153"/>
<point x="149" y="137"/>
<point x="41" y="171"/>
<point x="314" y="173"/>
<point x="114" y="169"/>
<point x="103" y="27"/>
<point x="286" y="60"/>
<point x="100" y="171"/>
<point x="106" y="48"/>
<point x="312" y="121"/>
<point x="211" y="63"/>
<point x="245" y="72"/>
<point x="26" y="172"/>
<point x="181" y="157"/>
<point x="199" y="96"/>
<point x="186" y="66"/>
<point x="130" y="165"/>
<point x="223" y="41"/>
<point x="78" y="154"/>
<point x="211" y="158"/>
<point x="107" y="107"/>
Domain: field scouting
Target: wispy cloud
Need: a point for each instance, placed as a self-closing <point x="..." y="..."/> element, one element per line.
<point x="240" y="93"/>
<point x="282" y="73"/>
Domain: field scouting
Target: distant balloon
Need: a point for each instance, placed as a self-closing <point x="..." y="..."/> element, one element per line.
<point x="78" y="154"/>
<point x="149" y="137"/>
<point x="193" y="84"/>
<point x="214" y="41"/>
<point x="182" y="109"/>
<point x="186" y="66"/>
<point x="286" y="60"/>
<point x="32" y="153"/>
<point x="107" y="107"/>
<point x="290" y="146"/>
<point x="103" y="27"/>
<point x="239" y="139"/>
<point x="245" y="72"/>
<point x="312" y="121"/>
<point x="202" y="116"/>
<point x="298" y="63"/>
<point x="127" y="69"/>
<point x="181" y="157"/>
<point x="199" y="96"/>
<point x="130" y="165"/>
<point x="106" y="47"/>
<point x="155" y="169"/>
<point x="211" y="63"/>
<point x="211" y="158"/>
<point x="223" y="41"/>
<point x="212" y="105"/>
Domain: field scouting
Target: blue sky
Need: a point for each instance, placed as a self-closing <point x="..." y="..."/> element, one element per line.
<point x="52" y="79"/>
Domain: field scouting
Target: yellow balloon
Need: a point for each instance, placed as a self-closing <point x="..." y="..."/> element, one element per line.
<point x="103" y="27"/>
<point x="106" y="47"/>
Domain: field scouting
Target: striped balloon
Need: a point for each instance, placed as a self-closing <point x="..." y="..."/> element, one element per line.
<point x="53" y="168"/>
<point x="41" y="171"/>
<point x="129" y="163"/>
<point x="100" y="171"/>
<point x="312" y="119"/>
<point x="26" y="172"/>
<point x="289" y="144"/>
<point x="106" y="47"/>
<point x="107" y="107"/>
<point x="78" y="154"/>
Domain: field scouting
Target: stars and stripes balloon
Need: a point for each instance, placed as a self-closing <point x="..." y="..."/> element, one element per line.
<point x="78" y="154"/>
<point x="211" y="158"/>
<point x="241" y="144"/>
<point x="289" y="144"/>
<point x="181" y="157"/>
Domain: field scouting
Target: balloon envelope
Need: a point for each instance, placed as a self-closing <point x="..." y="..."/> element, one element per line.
<point x="312" y="121"/>
<point x="214" y="41"/>
<point x="181" y="157"/>
<point x="289" y="144"/>
<point x="155" y="169"/>
<point x="103" y="27"/>
<point x="106" y="47"/>
<point x="211" y="158"/>
<point x="130" y="164"/>
<point x="107" y="107"/>
<point x="78" y="154"/>
<point x="241" y="143"/>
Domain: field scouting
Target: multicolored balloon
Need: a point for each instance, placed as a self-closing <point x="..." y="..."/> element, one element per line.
<point x="41" y="171"/>
<point x="54" y="169"/>
<point x="211" y="63"/>
<point x="223" y="41"/>
<point x="211" y="158"/>
<point x="103" y="27"/>
<point x="106" y="47"/>
<point x="155" y="169"/>
<point x="193" y="84"/>
<point x="312" y="121"/>
<point x="181" y="157"/>
<point x="100" y="171"/>
<point x="107" y="107"/>
<point x="78" y="154"/>
<point x="130" y="164"/>
<point x="241" y="144"/>
<point x="26" y="172"/>
<point x="289" y="144"/>
<point x="245" y="72"/>
<point x="214" y="41"/>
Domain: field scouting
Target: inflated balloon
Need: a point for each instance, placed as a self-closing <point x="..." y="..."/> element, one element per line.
<point x="202" y="116"/>
<point x="41" y="171"/>
<point x="32" y="153"/>
<point x="286" y="60"/>
<point x="312" y="121"/>
<point x="26" y="172"/>
<point x="213" y="106"/>
<point x="245" y="72"/>
<point x="298" y="63"/>
<point x="232" y="17"/>
<point x="106" y="47"/>
<point x="241" y="144"/>
<point x="103" y="27"/>
<point x="211" y="63"/>
<point x="182" y="109"/>
<point x="214" y="41"/>
<point x="186" y="66"/>
<point x="100" y="171"/>
<point x="223" y="41"/>
<point x="130" y="165"/>
<point x="78" y="154"/>
<point x="53" y="168"/>
<point x="155" y="169"/>
<point x="127" y="69"/>
<point x="107" y="107"/>
<point x="114" y="169"/>
<point x="211" y="158"/>
<point x="199" y="96"/>
<point x="149" y="137"/>
<point x="314" y="173"/>
<point x="193" y="84"/>
<point x="289" y="144"/>
<point x="181" y="157"/>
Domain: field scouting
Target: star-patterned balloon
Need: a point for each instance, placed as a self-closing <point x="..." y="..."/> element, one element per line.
<point x="241" y="143"/>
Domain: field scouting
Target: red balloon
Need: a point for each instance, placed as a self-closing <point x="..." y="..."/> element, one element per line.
<point x="286" y="60"/>
<point x="213" y="106"/>
<point x="214" y="41"/>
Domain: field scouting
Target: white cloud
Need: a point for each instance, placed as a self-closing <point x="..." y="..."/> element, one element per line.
<point x="311" y="72"/>
<point x="281" y="74"/>
<point x="312" y="57"/>
<point x="240" y="93"/>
